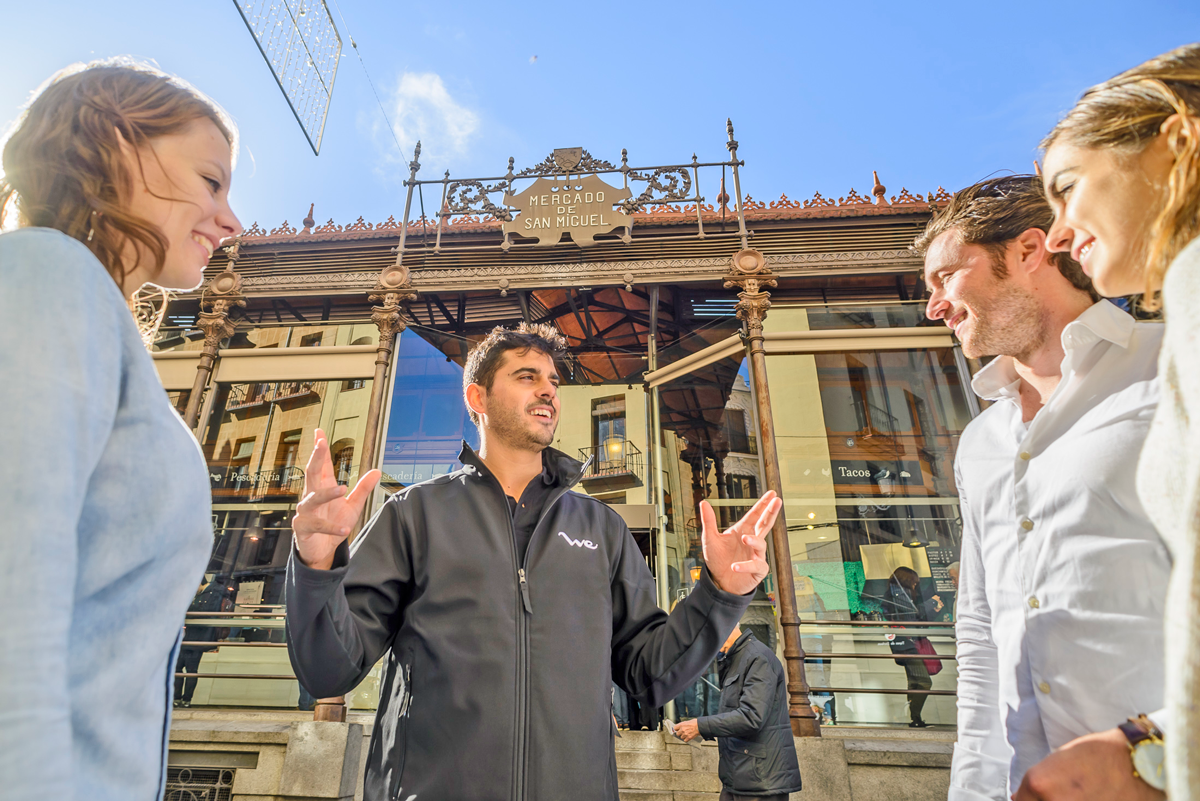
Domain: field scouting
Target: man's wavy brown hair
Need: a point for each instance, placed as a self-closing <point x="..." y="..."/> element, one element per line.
<point x="995" y="212"/>
<point x="63" y="161"/>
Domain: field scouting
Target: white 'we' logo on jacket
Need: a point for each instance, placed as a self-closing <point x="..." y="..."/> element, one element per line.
<point x="591" y="546"/>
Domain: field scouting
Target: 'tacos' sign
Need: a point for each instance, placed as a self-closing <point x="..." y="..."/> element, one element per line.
<point x="582" y="207"/>
<point x="883" y="474"/>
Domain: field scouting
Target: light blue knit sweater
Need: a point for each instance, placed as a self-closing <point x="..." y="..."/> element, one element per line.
<point x="105" y="530"/>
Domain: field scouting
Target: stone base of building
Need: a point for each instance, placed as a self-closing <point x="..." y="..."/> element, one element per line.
<point x="285" y="756"/>
<point x="266" y="756"/>
<point x="845" y="764"/>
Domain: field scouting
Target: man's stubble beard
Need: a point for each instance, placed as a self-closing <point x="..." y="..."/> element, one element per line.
<point x="511" y="427"/>
<point x="1010" y="323"/>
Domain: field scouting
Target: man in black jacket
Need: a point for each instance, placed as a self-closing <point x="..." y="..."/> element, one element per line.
<point x="757" y="754"/>
<point x="506" y="605"/>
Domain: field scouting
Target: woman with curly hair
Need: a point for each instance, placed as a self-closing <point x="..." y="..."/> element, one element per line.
<point x="118" y="177"/>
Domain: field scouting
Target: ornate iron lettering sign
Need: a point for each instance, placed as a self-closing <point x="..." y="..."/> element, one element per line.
<point x="582" y="208"/>
<point x="566" y="196"/>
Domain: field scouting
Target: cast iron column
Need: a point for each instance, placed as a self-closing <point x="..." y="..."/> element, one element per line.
<point x="750" y="274"/>
<point x="223" y="292"/>
<point x="393" y="289"/>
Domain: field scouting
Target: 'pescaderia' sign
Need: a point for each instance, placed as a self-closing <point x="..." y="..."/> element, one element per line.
<point x="582" y="207"/>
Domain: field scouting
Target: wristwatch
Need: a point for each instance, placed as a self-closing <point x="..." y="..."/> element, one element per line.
<point x="1146" y="750"/>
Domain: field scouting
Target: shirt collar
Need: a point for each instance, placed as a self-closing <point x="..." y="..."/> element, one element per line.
<point x="1102" y="321"/>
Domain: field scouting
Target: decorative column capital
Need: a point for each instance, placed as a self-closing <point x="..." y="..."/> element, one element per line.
<point x="750" y="274"/>
<point x="222" y="293"/>
<point x="390" y="322"/>
<point x="391" y="290"/>
<point x="216" y="327"/>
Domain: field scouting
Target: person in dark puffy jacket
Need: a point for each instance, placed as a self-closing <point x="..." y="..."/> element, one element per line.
<point x="754" y="737"/>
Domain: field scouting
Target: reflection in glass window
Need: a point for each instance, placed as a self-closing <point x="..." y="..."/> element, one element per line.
<point x="179" y="399"/>
<point x="866" y="446"/>
<point x="428" y="420"/>
<point x="708" y="454"/>
<point x="289" y="450"/>
<point x="889" y="315"/>
<point x="256" y="442"/>
<point x="866" y="443"/>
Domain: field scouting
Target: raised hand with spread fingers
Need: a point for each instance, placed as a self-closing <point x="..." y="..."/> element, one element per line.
<point x="326" y="515"/>
<point x="736" y="558"/>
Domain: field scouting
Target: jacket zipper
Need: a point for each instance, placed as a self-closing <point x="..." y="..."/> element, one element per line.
<point x="518" y="786"/>
<point x="522" y="701"/>
<point x="523" y="633"/>
<point x="524" y="590"/>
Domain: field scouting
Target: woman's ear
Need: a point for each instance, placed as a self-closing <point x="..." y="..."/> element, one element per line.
<point x="1175" y="133"/>
<point x="126" y="148"/>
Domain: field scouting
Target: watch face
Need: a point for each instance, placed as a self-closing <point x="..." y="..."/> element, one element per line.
<point x="1148" y="762"/>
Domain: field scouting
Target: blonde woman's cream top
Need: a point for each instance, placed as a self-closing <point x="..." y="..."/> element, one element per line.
<point x="1169" y="485"/>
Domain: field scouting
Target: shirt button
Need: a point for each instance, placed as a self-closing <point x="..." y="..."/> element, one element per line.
<point x="1025" y="456"/>
<point x="1034" y="603"/>
<point x="1044" y="687"/>
<point x="1027" y="524"/>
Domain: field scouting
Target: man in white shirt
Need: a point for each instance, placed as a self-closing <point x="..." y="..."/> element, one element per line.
<point x="1063" y="578"/>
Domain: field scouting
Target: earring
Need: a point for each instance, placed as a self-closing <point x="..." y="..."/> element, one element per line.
<point x="92" y="228"/>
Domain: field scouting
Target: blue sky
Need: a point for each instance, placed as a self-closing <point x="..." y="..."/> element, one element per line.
<point x="928" y="93"/>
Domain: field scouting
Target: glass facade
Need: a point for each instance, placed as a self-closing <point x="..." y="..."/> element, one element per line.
<point x="866" y="440"/>
<point x="708" y="453"/>
<point x="256" y="443"/>
<point x="427" y="420"/>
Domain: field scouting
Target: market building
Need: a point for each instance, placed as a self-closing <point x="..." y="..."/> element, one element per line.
<point x="719" y="347"/>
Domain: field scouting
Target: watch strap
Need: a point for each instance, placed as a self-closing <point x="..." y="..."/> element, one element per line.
<point x="1134" y="732"/>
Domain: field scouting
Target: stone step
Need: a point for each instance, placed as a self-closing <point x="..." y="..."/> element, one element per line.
<point x="666" y="795"/>
<point x="933" y="733"/>
<point x="669" y="780"/>
<point x="641" y="741"/>
<point x="646" y="760"/>
<point x="897" y="752"/>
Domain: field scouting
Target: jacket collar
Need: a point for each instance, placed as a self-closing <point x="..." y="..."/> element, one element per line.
<point x="557" y="467"/>
<point x="1102" y="321"/>
<point x="738" y="645"/>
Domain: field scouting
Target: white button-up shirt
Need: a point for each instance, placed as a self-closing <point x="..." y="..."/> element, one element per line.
<point x="1063" y="577"/>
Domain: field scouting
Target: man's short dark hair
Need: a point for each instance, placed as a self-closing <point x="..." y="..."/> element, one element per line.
<point x="484" y="359"/>
<point x="992" y="214"/>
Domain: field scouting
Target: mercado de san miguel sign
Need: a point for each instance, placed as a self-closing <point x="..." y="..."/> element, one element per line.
<point x="565" y="199"/>
<point x="581" y="207"/>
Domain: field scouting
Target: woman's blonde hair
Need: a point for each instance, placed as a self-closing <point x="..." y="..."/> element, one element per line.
<point x="1128" y="112"/>
<point x="63" y="163"/>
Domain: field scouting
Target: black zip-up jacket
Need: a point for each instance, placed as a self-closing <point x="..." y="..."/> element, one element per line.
<point x="498" y="675"/>
<point x="757" y="755"/>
